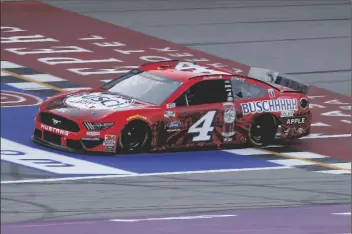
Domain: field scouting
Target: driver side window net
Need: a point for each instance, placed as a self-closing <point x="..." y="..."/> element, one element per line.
<point x="242" y="89"/>
<point x="204" y="92"/>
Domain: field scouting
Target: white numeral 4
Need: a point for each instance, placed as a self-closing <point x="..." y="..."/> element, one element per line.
<point x="203" y="131"/>
<point x="197" y="68"/>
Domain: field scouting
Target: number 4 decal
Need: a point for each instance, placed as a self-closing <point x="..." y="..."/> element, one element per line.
<point x="203" y="130"/>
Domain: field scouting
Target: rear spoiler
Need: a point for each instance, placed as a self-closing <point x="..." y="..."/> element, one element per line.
<point x="273" y="77"/>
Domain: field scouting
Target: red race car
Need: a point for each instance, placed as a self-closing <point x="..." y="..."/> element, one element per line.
<point x="176" y="105"/>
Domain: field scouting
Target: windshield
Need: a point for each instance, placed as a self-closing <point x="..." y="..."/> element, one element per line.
<point x="143" y="86"/>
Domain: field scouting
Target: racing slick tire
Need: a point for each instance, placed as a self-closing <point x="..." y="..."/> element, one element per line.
<point x="263" y="130"/>
<point x="134" y="138"/>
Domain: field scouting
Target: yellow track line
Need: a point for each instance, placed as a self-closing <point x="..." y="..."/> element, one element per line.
<point x="31" y="80"/>
<point x="268" y="151"/>
<point x="306" y="160"/>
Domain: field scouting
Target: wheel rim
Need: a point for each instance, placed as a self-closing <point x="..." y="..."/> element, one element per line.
<point x="133" y="138"/>
<point x="256" y="134"/>
<point x="261" y="131"/>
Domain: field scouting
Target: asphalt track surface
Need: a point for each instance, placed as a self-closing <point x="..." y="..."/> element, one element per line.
<point x="305" y="38"/>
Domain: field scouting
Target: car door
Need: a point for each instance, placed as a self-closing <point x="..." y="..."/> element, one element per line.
<point x="199" y="115"/>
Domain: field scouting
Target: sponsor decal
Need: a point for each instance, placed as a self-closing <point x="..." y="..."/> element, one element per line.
<point x="212" y="77"/>
<point x="291" y="132"/>
<point x="278" y="105"/>
<point x="293" y="121"/>
<point x="271" y="93"/>
<point x="93" y="133"/>
<point x="286" y="113"/>
<point x="90" y="139"/>
<point x="98" y="100"/>
<point x="238" y="79"/>
<point x="109" y="141"/>
<point x="227" y="139"/>
<point x="110" y="149"/>
<point x="228" y="90"/>
<point x="55" y="121"/>
<point x="170" y="105"/>
<point x="54" y="130"/>
<point x="136" y="117"/>
<point x="229" y="116"/>
<point x="169" y="114"/>
<point x="175" y="124"/>
<point x="62" y="110"/>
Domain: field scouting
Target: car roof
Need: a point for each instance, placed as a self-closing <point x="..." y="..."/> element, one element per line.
<point x="166" y="69"/>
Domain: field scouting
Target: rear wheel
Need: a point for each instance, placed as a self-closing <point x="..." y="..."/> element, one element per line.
<point x="135" y="138"/>
<point x="262" y="131"/>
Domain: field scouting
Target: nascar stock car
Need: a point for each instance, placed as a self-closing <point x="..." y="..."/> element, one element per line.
<point x="175" y="105"/>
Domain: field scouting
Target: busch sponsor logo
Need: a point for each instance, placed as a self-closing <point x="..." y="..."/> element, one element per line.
<point x="54" y="130"/>
<point x="269" y="106"/>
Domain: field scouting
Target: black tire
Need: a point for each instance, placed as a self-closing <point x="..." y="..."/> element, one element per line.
<point x="262" y="131"/>
<point x="135" y="138"/>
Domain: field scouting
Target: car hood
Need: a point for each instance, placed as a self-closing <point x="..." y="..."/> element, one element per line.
<point x="95" y="104"/>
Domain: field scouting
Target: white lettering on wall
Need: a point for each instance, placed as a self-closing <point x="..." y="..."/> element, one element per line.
<point x="166" y="49"/>
<point x="218" y="65"/>
<point x="345" y="107"/>
<point x="197" y="60"/>
<point x="25" y="39"/>
<point x="108" y="44"/>
<point x="320" y="124"/>
<point x="92" y="37"/>
<point x="346" y="121"/>
<point x="335" y="113"/>
<point x="129" y="51"/>
<point x="153" y="58"/>
<point x="312" y="106"/>
<point x="335" y="101"/>
<point x="181" y="55"/>
<point x="11" y="29"/>
<point x="313" y="97"/>
<point x="69" y="60"/>
<point x="52" y="50"/>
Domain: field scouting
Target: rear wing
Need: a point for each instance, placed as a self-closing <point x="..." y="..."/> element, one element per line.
<point x="273" y="77"/>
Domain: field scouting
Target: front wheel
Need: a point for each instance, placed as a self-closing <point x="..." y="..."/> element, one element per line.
<point x="135" y="138"/>
<point x="262" y="131"/>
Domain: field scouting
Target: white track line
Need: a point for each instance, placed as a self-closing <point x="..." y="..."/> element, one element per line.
<point x="6" y="64"/>
<point x="173" y="218"/>
<point x="138" y="175"/>
<point x="343" y="213"/>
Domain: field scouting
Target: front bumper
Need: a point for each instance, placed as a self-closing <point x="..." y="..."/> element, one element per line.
<point x="78" y="141"/>
<point x="55" y="146"/>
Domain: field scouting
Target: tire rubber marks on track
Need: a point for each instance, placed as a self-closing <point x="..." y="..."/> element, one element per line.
<point x="307" y="161"/>
<point x="52" y="180"/>
<point x="16" y="99"/>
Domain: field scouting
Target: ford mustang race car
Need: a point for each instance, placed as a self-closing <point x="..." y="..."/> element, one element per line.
<point x="176" y="105"/>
